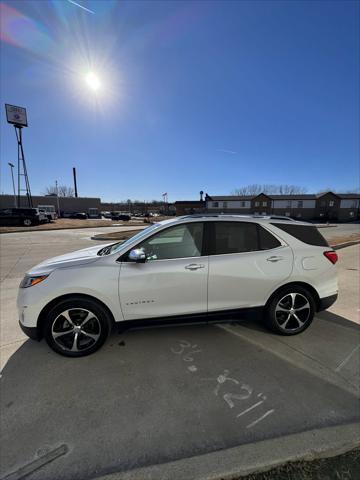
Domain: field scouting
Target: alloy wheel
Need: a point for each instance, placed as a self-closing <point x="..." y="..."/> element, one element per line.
<point x="76" y="330"/>
<point x="292" y="311"/>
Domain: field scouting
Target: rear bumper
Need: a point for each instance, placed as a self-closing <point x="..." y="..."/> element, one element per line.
<point x="326" y="302"/>
<point x="31" y="332"/>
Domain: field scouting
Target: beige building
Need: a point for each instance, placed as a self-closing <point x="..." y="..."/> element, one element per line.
<point x="66" y="204"/>
<point x="324" y="206"/>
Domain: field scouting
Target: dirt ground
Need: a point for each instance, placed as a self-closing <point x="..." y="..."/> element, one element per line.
<point x="62" y="223"/>
<point x="353" y="237"/>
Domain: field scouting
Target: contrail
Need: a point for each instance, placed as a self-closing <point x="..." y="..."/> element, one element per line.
<point x="78" y="5"/>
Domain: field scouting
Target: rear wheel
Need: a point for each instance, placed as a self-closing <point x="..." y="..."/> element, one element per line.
<point x="77" y="327"/>
<point x="290" y="311"/>
<point x="27" y="222"/>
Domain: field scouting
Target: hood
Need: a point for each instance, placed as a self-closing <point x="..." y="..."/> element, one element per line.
<point x="79" y="257"/>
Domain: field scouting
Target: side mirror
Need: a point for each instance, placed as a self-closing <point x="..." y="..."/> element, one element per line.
<point x="137" y="256"/>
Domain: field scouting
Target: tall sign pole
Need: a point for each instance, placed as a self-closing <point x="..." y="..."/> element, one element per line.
<point x="17" y="117"/>
<point x="11" y="165"/>
<point x="75" y="182"/>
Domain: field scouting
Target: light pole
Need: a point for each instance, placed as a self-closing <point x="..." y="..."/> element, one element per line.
<point x="57" y="198"/>
<point x="11" y="165"/>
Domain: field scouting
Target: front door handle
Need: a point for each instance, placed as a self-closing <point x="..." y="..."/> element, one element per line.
<point x="274" y="258"/>
<point x="194" y="266"/>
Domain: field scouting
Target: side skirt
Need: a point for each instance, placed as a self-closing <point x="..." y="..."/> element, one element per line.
<point x="192" y="319"/>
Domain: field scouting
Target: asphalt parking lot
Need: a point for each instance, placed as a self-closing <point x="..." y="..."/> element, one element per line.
<point x="160" y="395"/>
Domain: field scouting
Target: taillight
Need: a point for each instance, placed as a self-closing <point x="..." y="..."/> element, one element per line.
<point x="332" y="256"/>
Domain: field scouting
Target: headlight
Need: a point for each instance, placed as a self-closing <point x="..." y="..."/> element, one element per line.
<point x="30" y="281"/>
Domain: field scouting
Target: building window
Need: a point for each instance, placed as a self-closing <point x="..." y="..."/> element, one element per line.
<point x="323" y="203"/>
<point x="215" y="204"/>
<point x="288" y="204"/>
<point x="264" y="204"/>
<point x="263" y="213"/>
<point x="287" y="214"/>
<point x="257" y="204"/>
<point x="243" y="204"/>
<point x="224" y="204"/>
<point x="331" y="203"/>
<point x="298" y="215"/>
<point x="351" y="214"/>
<point x="300" y="204"/>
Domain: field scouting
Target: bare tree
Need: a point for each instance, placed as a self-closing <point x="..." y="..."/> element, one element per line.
<point x="61" y="190"/>
<point x="256" y="189"/>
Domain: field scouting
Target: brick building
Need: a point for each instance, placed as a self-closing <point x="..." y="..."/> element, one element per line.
<point x="324" y="206"/>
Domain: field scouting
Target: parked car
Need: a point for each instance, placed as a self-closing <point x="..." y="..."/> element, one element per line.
<point x="79" y="215"/>
<point x="184" y="268"/>
<point x="120" y="216"/>
<point x="106" y="214"/>
<point x="94" y="213"/>
<point x="66" y="214"/>
<point x="21" y="216"/>
<point x="49" y="210"/>
<point x="43" y="216"/>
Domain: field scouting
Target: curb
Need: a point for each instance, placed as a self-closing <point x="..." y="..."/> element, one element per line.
<point x="345" y="244"/>
<point x="102" y="236"/>
<point x="251" y="458"/>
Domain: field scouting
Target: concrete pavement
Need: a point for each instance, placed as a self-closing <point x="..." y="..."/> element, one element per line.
<point x="150" y="397"/>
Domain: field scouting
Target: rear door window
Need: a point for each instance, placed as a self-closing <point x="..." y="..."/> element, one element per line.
<point x="234" y="237"/>
<point x="305" y="233"/>
<point x="5" y="212"/>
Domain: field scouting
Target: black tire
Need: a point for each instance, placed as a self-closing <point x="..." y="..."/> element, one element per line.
<point x="27" y="222"/>
<point x="63" y="324"/>
<point x="290" y="311"/>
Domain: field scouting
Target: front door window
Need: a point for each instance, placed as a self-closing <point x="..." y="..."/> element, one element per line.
<point x="181" y="241"/>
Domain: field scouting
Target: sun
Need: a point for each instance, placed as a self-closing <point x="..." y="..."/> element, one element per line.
<point x="93" y="81"/>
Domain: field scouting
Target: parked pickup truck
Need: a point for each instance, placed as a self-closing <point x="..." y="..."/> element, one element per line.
<point x="49" y="211"/>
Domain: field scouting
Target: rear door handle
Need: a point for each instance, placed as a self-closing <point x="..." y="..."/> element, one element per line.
<point x="274" y="258"/>
<point x="194" y="266"/>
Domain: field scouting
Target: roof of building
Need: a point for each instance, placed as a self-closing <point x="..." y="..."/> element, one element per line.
<point x="232" y="197"/>
<point x="200" y="202"/>
<point x="348" y="195"/>
<point x="301" y="196"/>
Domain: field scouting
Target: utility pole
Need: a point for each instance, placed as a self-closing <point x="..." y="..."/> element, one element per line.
<point x="57" y="197"/>
<point x="11" y="165"/>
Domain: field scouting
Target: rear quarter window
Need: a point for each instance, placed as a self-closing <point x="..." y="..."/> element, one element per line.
<point x="267" y="241"/>
<point x="305" y="233"/>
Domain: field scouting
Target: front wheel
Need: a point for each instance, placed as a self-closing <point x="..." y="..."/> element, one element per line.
<point x="290" y="311"/>
<point x="77" y="327"/>
<point x="27" y="222"/>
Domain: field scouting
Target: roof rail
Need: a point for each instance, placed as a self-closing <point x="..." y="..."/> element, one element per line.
<point x="235" y="215"/>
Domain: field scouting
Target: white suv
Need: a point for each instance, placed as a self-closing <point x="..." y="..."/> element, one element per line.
<point x="185" y="268"/>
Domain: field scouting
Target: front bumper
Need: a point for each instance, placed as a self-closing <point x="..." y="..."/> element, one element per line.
<point x="326" y="302"/>
<point x="31" y="332"/>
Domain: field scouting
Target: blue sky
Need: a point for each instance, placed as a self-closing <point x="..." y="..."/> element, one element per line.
<point x="207" y="95"/>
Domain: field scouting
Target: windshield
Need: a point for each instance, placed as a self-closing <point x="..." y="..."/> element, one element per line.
<point x="115" y="247"/>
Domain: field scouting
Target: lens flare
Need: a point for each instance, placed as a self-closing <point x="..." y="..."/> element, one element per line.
<point x="93" y="81"/>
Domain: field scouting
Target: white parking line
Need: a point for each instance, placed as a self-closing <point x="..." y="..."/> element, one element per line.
<point x="346" y="359"/>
